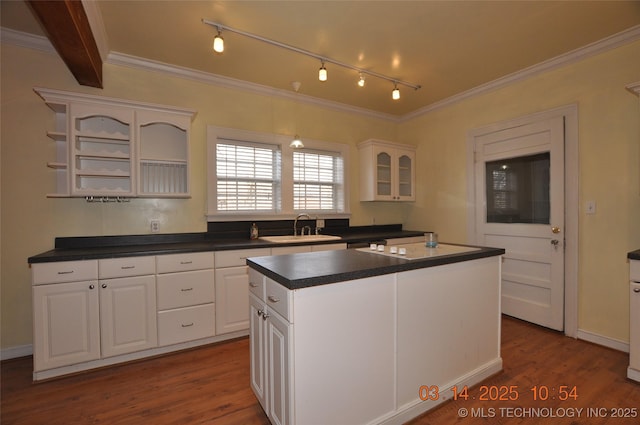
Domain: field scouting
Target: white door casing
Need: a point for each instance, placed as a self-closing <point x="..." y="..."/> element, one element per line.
<point x="535" y="273"/>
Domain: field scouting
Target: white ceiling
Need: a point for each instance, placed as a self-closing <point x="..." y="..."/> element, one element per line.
<point x="447" y="47"/>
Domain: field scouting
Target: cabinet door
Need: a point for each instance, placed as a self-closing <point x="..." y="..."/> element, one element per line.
<point x="128" y="315"/>
<point x="384" y="173"/>
<point x="257" y="343"/>
<point x="404" y="173"/>
<point x="232" y="298"/>
<point x="278" y="373"/>
<point x="66" y="324"/>
<point x="634" y="328"/>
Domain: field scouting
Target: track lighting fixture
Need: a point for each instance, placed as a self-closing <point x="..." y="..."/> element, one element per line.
<point x="361" y="80"/>
<point x="395" y="94"/>
<point x="322" y="73"/>
<point x="218" y="43"/>
<point x="296" y="143"/>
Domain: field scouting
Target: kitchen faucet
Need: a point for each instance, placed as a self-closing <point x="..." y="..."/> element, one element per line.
<point x="295" y="223"/>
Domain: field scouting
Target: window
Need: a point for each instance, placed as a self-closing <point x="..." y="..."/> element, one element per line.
<point x="518" y="190"/>
<point x="258" y="175"/>
<point x="317" y="181"/>
<point x="246" y="176"/>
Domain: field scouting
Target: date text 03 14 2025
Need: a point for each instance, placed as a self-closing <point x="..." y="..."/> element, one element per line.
<point x="502" y="393"/>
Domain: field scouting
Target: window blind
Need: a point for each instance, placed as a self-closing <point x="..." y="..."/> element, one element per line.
<point x="317" y="180"/>
<point x="247" y="176"/>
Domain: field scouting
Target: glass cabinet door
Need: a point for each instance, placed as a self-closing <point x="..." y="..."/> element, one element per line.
<point x="383" y="179"/>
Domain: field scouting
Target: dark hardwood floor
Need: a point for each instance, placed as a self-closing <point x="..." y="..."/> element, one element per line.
<point x="210" y="385"/>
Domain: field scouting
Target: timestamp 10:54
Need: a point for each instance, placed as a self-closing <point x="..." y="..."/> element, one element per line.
<point x="503" y="393"/>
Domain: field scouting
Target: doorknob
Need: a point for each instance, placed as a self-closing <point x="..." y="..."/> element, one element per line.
<point x="555" y="229"/>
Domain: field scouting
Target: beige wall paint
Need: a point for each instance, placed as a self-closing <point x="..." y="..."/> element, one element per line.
<point x="609" y="162"/>
<point x="609" y="157"/>
<point x="30" y="221"/>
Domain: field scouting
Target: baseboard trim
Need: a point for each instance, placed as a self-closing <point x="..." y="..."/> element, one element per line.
<point x="605" y="341"/>
<point x="15" y="352"/>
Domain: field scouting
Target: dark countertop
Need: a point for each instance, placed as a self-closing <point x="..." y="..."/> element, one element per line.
<point x="634" y="255"/>
<point x="296" y="271"/>
<point x="91" y="248"/>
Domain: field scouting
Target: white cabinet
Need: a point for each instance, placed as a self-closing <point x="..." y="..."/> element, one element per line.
<point x="387" y="171"/>
<point x="88" y="310"/>
<point x="116" y="148"/>
<point x="270" y="347"/>
<point x="186" y="295"/>
<point x="232" y="289"/>
<point x="633" y="372"/>
<point x="66" y="323"/>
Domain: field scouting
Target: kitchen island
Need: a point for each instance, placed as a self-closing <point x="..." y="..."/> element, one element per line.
<point x="364" y="337"/>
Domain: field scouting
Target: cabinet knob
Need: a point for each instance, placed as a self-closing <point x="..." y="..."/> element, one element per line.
<point x="260" y="312"/>
<point x="636" y="290"/>
<point x="265" y="316"/>
<point x="91" y="286"/>
<point x="104" y="286"/>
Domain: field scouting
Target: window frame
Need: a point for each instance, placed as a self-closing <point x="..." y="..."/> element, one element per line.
<point x="286" y="211"/>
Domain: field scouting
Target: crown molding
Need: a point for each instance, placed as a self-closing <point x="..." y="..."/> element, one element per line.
<point x="23" y="39"/>
<point x="624" y="37"/>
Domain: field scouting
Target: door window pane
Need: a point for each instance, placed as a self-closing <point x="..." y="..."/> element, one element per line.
<point x="518" y="190"/>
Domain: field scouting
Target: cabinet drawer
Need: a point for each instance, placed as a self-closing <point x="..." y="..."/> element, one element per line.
<point x="186" y="324"/>
<point x="293" y="249"/>
<point x="257" y="284"/>
<point x="64" y="271"/>
<point x="185" y="289"/>
<point x="634" y="270"/>
<point x="129" y="266"/>
<point x="184" y="262"/>
<point x="238" y="257"/>
<point x="279" y="298"/>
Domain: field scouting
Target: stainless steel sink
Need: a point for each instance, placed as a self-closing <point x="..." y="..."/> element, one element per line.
<point x="301" y="239"/>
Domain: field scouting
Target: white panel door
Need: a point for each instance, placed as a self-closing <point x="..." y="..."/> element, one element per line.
<point x="232" y="299"/>
<point x="519" y="174"/>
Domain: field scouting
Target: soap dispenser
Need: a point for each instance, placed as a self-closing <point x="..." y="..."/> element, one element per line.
<point x="254" y="231"/>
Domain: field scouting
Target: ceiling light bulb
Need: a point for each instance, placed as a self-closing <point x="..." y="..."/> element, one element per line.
<point x="296" y="143"/>
<point x="395" y="94"/>
<point x="361" y="81"/>
<point x="218" y="43"/>
<point x="322" y="73"/>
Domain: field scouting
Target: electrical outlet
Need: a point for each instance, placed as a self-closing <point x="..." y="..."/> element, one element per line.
<point x="320" y="223"/>
<point x="155" y="226"/>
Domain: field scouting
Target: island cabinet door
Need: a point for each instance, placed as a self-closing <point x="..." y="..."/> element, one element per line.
<point x="257" y="344"/>
<point x="278" y="369"/>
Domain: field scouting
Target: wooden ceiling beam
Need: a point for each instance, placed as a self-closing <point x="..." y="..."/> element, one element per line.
<point x="68" y="29"/>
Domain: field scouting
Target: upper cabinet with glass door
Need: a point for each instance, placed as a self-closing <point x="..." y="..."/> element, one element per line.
<point x="387" y="171"/>
<point x="109" y="147"/>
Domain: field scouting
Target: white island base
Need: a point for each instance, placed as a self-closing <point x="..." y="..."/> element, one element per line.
<point x="363" y="351"/>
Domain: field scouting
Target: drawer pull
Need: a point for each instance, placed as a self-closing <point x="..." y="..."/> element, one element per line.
<point x="253" y="285"/>
<point x="186" y="262"/>
<point x="187" y="325"/>
<point x="127" y="267"/>
<point x="273" y="299"/>
<point x="68" y="272"/>
<point x="636" y="290"/>
<point x="186" y="289"/>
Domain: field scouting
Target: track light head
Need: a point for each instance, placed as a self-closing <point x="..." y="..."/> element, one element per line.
<point x="218" y="43"/>
<point x="395" y="94"/>
<point x="322" y="73"/>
